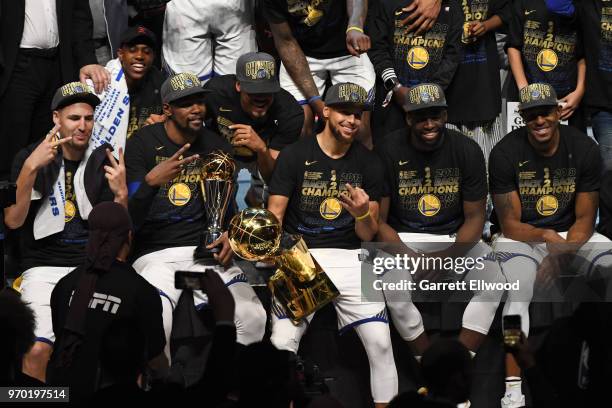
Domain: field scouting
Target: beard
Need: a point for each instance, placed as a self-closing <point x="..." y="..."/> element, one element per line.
<point x="188" y="131"/>
<point x="338" y="136"/>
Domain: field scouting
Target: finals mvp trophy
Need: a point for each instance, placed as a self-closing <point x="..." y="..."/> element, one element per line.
<point x="300" y="285"/>
<point x="217" y="183"/>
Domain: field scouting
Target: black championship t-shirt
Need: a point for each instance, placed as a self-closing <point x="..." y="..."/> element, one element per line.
<point x="550" y="45"/>
<point x="547" y="186"/>
<point x="313" y="181"/>
<point x="318" y="25"/>
<point x="172" y="215"/>
<point x="66" y="248"/>
<point x="596" y="25"/>
<point x="474" y="95"/>
<point x="145" y="100"/>
<point x="119" y="293"/>
<point x="427" y="189"/>
<point x="281" y="126"/>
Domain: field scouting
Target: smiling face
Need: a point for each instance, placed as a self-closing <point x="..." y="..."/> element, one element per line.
<point x="187" y="113"/>
<point x="542" y="123"/>
<point x="136" y="60"/>
<point x="76" y="120"/>
<point x="426" y="126"/>
<point x="256" y="106"/>
<point x="343" y="121"/>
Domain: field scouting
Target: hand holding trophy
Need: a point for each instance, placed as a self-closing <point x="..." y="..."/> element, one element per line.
<point x="299" y="285"/>
<point x="217" y="183"/>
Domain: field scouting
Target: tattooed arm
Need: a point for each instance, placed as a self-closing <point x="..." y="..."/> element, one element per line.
<point x="356" y="40"/>
<point x="508" y="209"/>
<point x="586" y="210"/>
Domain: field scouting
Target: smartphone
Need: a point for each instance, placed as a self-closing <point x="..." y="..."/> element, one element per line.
<point x="512" y="330"/>
<point x="188" y="280"/>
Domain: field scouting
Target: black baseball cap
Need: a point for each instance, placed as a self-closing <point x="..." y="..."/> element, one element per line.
<point x="538" y="94"/>
<point x="424" y="96"/>
<point x="138" y="35"/>
<point x="256" y="72"/>
<point x="178" y="86"/>
<point x="347" y="93"/>
<point x="73" y="92"/>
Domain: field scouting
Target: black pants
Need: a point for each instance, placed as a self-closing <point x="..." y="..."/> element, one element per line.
<point x="25" y="106"/>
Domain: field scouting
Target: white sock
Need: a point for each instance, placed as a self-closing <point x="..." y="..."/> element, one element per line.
<point x="418" y="359"/>
<point x="513" y="388"/>
<point x="472" y="354"/>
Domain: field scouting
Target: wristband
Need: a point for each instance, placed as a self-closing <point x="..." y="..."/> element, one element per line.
<point x="364" y="216"/>
<point x="313" y="98"/>
<point x="355" y="28"/>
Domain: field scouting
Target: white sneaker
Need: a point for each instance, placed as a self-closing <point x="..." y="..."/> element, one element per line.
<point x="508" y="402"/>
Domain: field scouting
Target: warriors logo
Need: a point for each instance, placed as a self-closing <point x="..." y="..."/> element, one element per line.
<point x="417" y="58"/>
<point x="330" y="209"/>
<point x="429" y="205"/>
<point x="547" y="60"/>
<point x="179" y="194"/>
<point x="69" y="211"/>
<point x="547" y="205"/>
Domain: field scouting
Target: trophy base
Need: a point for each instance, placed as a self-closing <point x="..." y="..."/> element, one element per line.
<point x="300" y="301"/>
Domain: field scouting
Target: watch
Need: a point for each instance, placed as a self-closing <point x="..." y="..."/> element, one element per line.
<point x="391" y="83"/>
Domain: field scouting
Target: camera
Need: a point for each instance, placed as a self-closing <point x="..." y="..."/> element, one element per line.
<point x="188" y="280"/>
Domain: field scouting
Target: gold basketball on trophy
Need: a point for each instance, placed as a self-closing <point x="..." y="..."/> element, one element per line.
<point x="299" y="285"/>
<point x="218" y="165"/>
<point x="254" y="234"/>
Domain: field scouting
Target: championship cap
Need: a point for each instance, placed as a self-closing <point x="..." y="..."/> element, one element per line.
<point x="347" y="93"/>
<point x="138" y="35"/>
<point x="256" y="72"/>
<point x="181" y="85"/>
<point x="538" y="94"/>
<point x="424" y="96"/>
<point x="73" y="92"/>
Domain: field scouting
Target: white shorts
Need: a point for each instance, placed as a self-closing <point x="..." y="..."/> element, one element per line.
<point x="207" y="39"/>
<point x="358" y="70"/>
<point x="343" y="267"/>
<point x="36" y="287"/>
<point x="158" y="269"/>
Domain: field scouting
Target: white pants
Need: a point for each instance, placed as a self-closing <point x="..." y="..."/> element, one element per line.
<point x="158" y="269"/>
<point x="358" y="70"/>
<point x="369" y="319"/>
<point x="207" y="38"/>
<point x="36" y="287"/>
<point x="520" y="261"/>
<point x="480" y="311"/>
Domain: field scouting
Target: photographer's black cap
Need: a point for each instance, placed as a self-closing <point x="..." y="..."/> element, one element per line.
<point x="73" y="92"/>
<point x="138" y="35"/>
<point x="256" y="72"/>
<point x="538" y="94"/>
<point x="347" y="93"/>
<point x="181" y="85"/>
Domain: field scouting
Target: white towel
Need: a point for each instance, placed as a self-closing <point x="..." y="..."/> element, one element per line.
<point x="111" y="119"/>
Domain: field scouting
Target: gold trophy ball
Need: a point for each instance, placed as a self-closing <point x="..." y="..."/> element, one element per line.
<point x="254" y="234"/>
<point x="218" y="165"/>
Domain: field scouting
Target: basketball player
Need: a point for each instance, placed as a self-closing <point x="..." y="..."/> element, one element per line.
<point x="326" y="188"/>
<point x="435" y="203"/>
<point x="167" y="207"/>
<point x="545" y="180"/>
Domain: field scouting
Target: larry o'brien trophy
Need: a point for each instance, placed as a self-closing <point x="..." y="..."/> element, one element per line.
<point x="300" y="285"/>
<point x="217" y="184"/>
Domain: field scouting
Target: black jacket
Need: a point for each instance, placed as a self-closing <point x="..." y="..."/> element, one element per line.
<point x="75" y="43"/>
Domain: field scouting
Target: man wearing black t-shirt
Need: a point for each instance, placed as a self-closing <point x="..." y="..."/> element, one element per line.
<point x="164" y="168"/>
<point x="545" y="181"/>
<point x="326" y="188"/>
<point x="254" y="114"/>
<point x="86" y="302"/>
<point x="404" y="58"/>
<point x="435" y="203"/>
<point x="546" y="47"/>
<point x="58" y="180"/>
<point x="319" y="40"/>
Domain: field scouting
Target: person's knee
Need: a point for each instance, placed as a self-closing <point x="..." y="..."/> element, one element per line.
<point x="251" y="323"/>
<point x="407" y="319"/>
<point x="285" y="339"/>
<point x="39" y="354"/>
